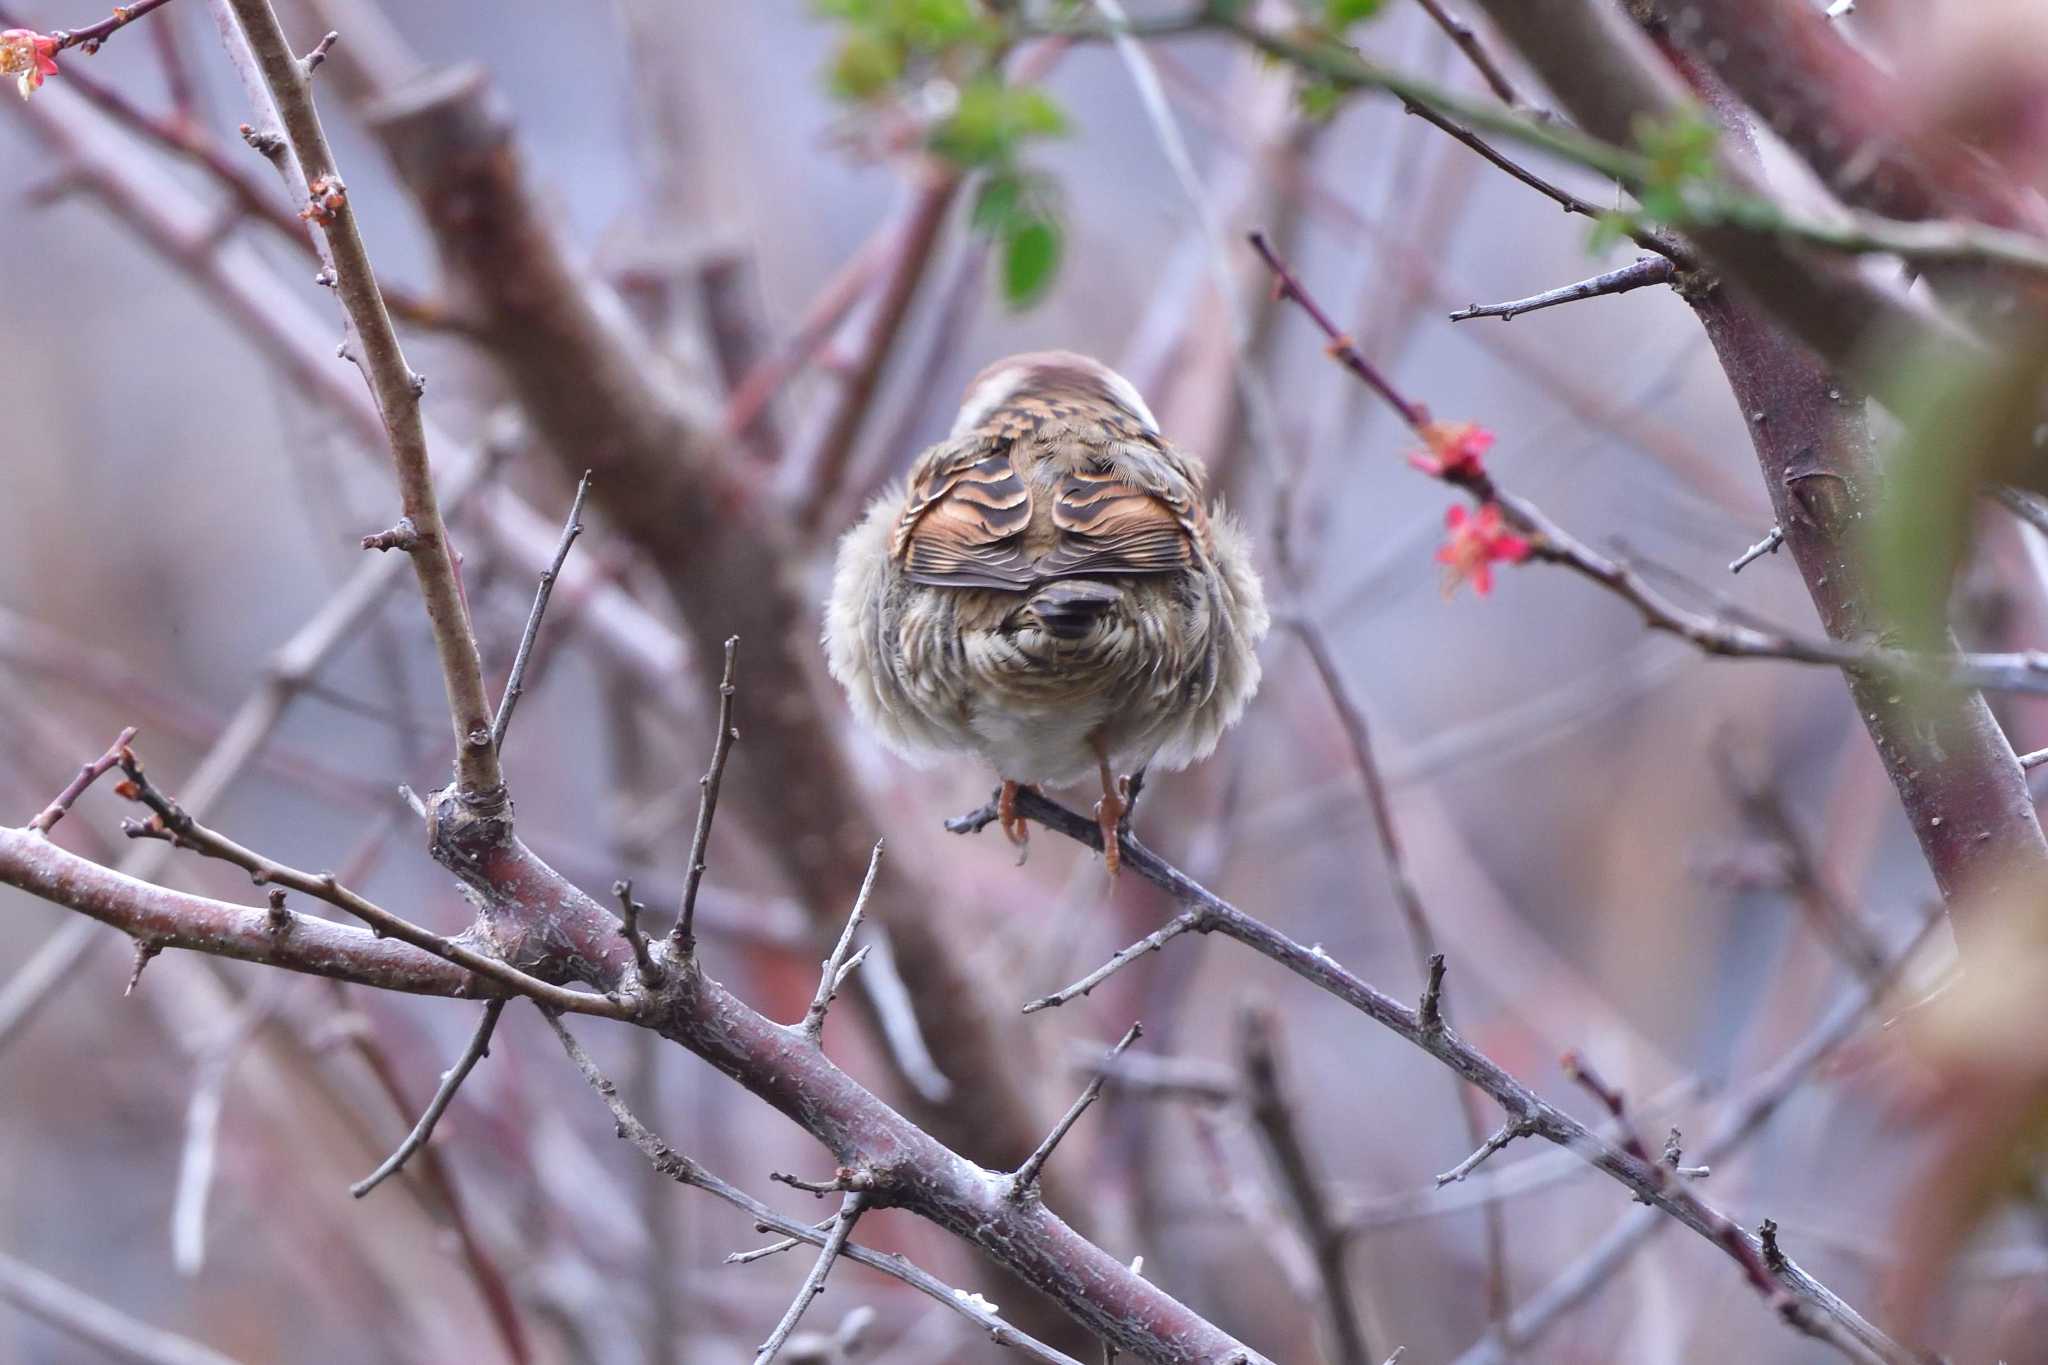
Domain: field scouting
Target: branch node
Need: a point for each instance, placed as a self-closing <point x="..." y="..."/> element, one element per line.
<point x="1429" y="1012"/>
<point x="630" y="910"/>
<point x="310" y="63"/>
<point x="403" y="536"/>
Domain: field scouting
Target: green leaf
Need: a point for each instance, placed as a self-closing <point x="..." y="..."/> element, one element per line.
<point x="864" y="67"/>
<point x="992" y="120"/>
<point x="1608" y="229"/>
<point x="1342" y="14"/>
<point x="1319" y="100"/>
<point x="1031" y="258"/>
<point x="998" y="203"/>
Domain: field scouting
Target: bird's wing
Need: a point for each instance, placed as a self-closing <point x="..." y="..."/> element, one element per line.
<point x="964" y="520"/>
<point x="1111" y="519"/>
<point x="1122" y="509"/>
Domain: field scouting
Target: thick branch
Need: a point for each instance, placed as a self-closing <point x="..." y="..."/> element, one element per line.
<point x="172" y="919"/>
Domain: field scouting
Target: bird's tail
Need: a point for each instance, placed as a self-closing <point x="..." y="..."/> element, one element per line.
<point x="1071" y="607"/>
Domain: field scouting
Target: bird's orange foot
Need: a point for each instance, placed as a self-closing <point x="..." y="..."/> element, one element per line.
<point x="1109" y="818"/>
<point x="1014" y="827"/>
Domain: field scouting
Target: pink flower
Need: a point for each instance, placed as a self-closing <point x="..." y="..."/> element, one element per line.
<point x="1454" y="450"/>
<point x="1474" y="544"/>
<point x="27" y="56"/>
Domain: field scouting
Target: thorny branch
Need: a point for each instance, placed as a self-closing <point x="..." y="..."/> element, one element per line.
<point x="451" y="1081"/>
<point x="516" y="683"/>
<point x="1205" y="912"/>
<point x="278" y="81"/>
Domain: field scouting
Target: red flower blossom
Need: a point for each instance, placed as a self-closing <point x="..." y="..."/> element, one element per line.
<point x="27" y="56"/>
<point x="1474" y="544"/>
<point x="1454" y="450"/>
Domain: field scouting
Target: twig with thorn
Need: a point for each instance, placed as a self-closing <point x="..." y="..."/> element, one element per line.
<point x="516" y="683"/>
<point x="850" y="1211"/>
<point x="839" y="966"/>
<point x="451" y="1081"/>
<point x="1025" y="1181"/>
<point x="683" y="936"/>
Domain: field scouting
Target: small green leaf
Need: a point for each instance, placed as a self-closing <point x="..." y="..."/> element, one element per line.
<point x="997" y="203"/>
<point x="1031" y="257"/>
<point x="1342" y="14"/>
<point x="865" y="66"/>
<point x="992" y="119"/>
<point x="1319" y="100"/>
<point x="1608" y="229"/>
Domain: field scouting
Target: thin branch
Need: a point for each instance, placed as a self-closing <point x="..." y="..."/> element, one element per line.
<point x="1506" y="1133"/>
<point x="89" y="38"/>
<point x="838" y="966"/>
<point x="276" y="79"/>
<point x="87" y="1319"/>
<point x="1422" y="935"/>
<point x="1273" y="1120"/>
<point x="451" y="1081"/>
<point x="1151" y="943"/>
<point x="1743" y="1119"/>
<point x="1769" y="545"/>
<point x="1467" y="41"/>
<point x="1213" y="914"/>
<point x="685" y="1171"/>
<point x="1635" y="275"/>
<point x="516" y="683"/>
<point x="684" y="936"/>
<point x="46" y="819"/>
<point x="169" y="822"/>
<point x="1022" y="1184"/>
<point x="1716" y="635"/>
<point x="850" y="1211"/>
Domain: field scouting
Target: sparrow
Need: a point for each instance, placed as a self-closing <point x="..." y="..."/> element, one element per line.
<point x="1049" y="591"/>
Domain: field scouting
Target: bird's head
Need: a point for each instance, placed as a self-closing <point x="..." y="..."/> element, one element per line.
<point x="1063" y="378"/>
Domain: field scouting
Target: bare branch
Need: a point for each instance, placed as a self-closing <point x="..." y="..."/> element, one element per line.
<point x="89" y="38"/>
<point x="1506" y="1133"/>
<point x="46" y="819"/>
<point x="172" y="919"/>
<point x="87" y="1319"/>
<point x="516" y="683"/>
<point x="630" y="910"/>
<point x="683" y="1170"/>
<point x="277" y="81"/>
<point x="1213" y="914"/>
<point x="1767" y="546"/>
<point x="1636" y="275"/>
<point x="172" y="823"/>
<point x="1273" y="1120"/>
<point x="683" y="936"/>
<point x="1025" y="1181"/>
<point x="451" y="1081"/>
<point x="1483" y="62"/>
<point x="814" y="1284"/>
<point x="838" y="965"/>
